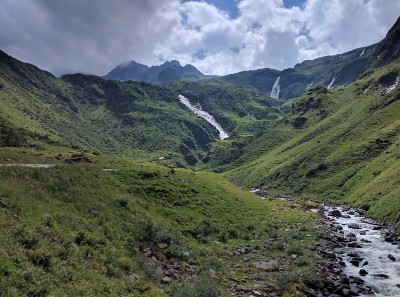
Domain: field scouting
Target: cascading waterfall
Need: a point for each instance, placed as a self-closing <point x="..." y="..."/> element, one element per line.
<point x="330" y="85"/>
<point x="275" y="89"/>
<point x="205" y="115"/>
<point x="362" y="53"/>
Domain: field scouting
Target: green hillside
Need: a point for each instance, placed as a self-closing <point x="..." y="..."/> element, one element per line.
<point x="137" y="229"/>
<point x="125" y="118"/>
<point x="340" y="146"/>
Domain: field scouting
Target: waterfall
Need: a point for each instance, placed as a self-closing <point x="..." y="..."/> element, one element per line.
<point x="205" y="115"/>
<point x="362" y="52"/>
<point x="330" y="85"/>
<point x="275" y="89"/>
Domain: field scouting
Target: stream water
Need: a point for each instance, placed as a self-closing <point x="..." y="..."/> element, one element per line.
<point x="29" y="165"/>
<point x="380" y="259"/>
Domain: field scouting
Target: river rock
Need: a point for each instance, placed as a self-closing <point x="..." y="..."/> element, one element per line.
<point x="356" y="261"/>
<point x="351" y="234"/>
<point x="270" y="265"/>
<point x="335" y="213"/>
<point x="166" y="279"/>
<point x="391" y="257"/>
<point x="354" y="244"/>
<point x="356" y="280"/>
<point x="363" y="272"/>
<point x="380" y="275"/>
<point x="354" y="226"/>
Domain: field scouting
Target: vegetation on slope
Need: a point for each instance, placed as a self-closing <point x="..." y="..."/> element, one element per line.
<point x="340" y="146"/>
<point x="140" y="229"/>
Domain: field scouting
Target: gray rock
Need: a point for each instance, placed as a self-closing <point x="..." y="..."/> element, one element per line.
<point x="380" y="275"/>
<point x="269" y="265"/>
<point x="335" y="213"/>
<point x="354" y="226"/>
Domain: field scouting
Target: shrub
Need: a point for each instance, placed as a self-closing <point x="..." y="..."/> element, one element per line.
<point x="287" y="279"/>
<point x="279" y="245"/>
<point x="365" y="206"/>
<point x="299" y="122"/>
<point x="206" y="287"/>
<point x="157" y="233"/>
<point x="302" y="261"/>
<point x="295" y="248"/>
<point x="181" y="290"/>
<point x="122" y="203"/>
<point x="203" y="230"/>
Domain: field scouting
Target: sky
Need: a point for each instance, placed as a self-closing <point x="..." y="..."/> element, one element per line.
<point x="216" y="36"/>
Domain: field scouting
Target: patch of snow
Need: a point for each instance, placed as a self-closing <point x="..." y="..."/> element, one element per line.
<point x="275" y="89"/>
<point x="362" y="53"/>
<point x="205" y="115"/>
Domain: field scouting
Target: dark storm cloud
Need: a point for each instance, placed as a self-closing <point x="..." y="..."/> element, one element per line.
<point x="90" y="36"/>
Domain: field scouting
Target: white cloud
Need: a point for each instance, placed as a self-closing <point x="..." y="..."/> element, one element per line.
<point x="96" y="35"/>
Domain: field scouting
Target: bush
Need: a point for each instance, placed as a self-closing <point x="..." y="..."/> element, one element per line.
<point x="180" y="289"/>
<point x="365" y="206"/>
<point x="299" y="122"/>
<point x="203" y="230"/>
<point x="157" y="233"/>
<point x="302" y="261"/>
<point x="295" y="248"/>
<point x="205" y="287"/>
<point x="279" y="245"/>
<point x="287" y="279"/>
<point x="122" y="203"/>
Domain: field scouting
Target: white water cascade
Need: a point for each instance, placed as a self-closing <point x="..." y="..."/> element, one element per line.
<point x="330" y="85"/>
<point x="275" y="89"/>
<point x="205" y="115"/>
<point x="362" y="53"/>
<point x="380" y="259"/>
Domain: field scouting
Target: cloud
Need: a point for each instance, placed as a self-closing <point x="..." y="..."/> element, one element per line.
<point x="93" y="36"/>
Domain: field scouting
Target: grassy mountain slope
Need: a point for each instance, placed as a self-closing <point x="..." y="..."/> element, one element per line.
<point x="140" y="230"/>
<point x="339" y="146"/>
<point x="108" y="116"/>
<point x="126" y="117"/>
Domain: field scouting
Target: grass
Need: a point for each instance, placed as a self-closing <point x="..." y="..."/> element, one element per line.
<point x="348" y="156"/>
<point x="76" y="229"/>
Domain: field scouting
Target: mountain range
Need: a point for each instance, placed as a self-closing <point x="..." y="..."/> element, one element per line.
<point x="165" y="73"/>
<point x="330" y="71"/>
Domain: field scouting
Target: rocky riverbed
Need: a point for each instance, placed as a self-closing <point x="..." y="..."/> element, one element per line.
<point x="362" y="257"/>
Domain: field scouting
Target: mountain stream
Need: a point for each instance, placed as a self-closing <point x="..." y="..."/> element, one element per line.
<point x="205" y="115"/>
<point x="367" y="255"/>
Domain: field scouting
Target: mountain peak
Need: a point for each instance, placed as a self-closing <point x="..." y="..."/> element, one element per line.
<point x="167" y="72"/>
